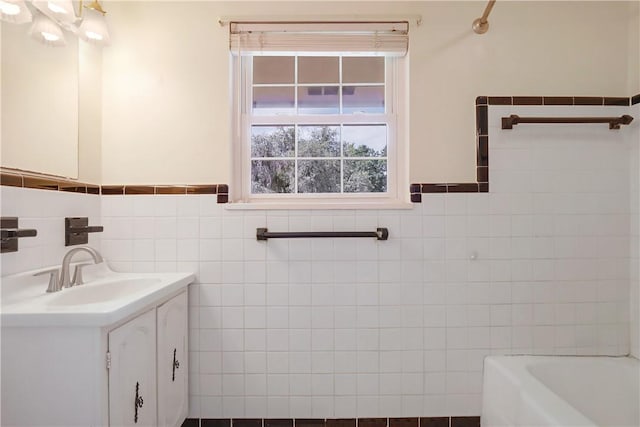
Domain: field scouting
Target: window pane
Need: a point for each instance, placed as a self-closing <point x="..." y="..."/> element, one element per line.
<point x="365" y="176"/>
<point x="318" y="69"/>
<point x="365" y="140"/>
<point x="318" y="100"/>
<point x="272" y="141"/>
<point x="272" y="176"/>
<point x="363" y="69"/>
<point x="318" y="141"/>
<point x="273" y="69"/>
<point x="273" y="100"/>
<point x="318" y="176"/>
<point x="363" y="99"/>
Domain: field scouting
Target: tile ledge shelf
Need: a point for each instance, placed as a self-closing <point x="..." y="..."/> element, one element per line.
<point x="337" y="205"/>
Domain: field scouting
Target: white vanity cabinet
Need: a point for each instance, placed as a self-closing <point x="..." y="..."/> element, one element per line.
<point x="117" y="374"/>
<point x="148" y="367"/>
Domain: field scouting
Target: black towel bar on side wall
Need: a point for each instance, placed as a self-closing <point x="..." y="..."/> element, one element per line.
<point x="614" y="122"/>
<point x="263" y="234"/>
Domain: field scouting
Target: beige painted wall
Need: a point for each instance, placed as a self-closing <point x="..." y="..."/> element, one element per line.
<point x="165" y="106"/>
<point x="89" y="113"/>
<point x="634" y="48"/>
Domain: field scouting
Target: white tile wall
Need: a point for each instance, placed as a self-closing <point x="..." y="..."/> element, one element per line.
<point x="360" y="328"/>
<point x="345" y="327"/>
<point x="45" y="211"/>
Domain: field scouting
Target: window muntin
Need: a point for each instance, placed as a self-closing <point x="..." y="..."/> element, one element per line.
<point x="324" y="158"/>
<point x="318" y="125"/>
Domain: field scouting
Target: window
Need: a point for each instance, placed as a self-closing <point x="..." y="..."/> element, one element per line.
<point x="318" y="121"/>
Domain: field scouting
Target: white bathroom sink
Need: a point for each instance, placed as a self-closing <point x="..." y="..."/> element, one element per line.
<point x="103" y="291"/>
<point x="106" y="297"/>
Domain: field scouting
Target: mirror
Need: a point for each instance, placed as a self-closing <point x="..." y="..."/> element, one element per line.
<point x="39" y="104"/>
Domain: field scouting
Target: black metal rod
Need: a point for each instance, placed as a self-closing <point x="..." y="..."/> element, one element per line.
<point x="91" y="229"/>
<point x="264" y="234"/>
<point x="614" y="122"/>
<point x="17" y="233"/>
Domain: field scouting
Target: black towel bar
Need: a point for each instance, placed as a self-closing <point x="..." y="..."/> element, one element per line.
<point x="614" y="122"/>
<point x="264" y="234"/>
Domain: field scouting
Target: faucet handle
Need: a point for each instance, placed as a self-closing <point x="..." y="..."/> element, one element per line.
<point x="77" y="274"/>
<point x="53" y="279"/>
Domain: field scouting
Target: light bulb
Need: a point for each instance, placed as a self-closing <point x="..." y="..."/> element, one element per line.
<point x="55" y="8"/>
<point x="46" y="31"/>
<point x="14" y="11"/>
<point x="93" y="28"/>
<point x="9" y="8"/>
<point x="94" y="36"/>
<point x="61" y="11"/>
<point x="50" y="37"/>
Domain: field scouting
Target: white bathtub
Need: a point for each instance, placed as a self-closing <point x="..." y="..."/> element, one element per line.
<point x="561" y="391"/>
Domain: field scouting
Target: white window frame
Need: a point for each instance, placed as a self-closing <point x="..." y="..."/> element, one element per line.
<point x="395" y="117"/>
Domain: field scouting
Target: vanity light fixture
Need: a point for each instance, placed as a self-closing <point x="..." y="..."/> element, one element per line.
<point x="46" y="31"/>
<point x="14" y="11"/>
<point x="93" y="28"/>
<point x="50" y="17"/>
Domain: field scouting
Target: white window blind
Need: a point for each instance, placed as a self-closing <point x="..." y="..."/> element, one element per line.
<point x="321" y="38"/>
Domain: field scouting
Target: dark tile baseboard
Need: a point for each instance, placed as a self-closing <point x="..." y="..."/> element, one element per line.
<point x="335" y="422"/>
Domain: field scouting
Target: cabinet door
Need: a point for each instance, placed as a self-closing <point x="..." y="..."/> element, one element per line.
<point x="132" y="375"/>
<point x="172" y="361"/>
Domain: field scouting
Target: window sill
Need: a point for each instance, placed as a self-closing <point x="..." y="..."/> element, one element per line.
<point x="351" y="205"/>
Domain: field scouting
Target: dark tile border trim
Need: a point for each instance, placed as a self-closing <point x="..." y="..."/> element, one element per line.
<point x="339" y="422"/>
<point x="225" y="422"/>
<point x="113" y="189"/>
<point x="221" y="190"/>
<point x="482" y="137"/>
<point x="25" y="180"/>
<point x="16" y="179"/>
<point x="335" y="422"/>
<point x="465" y="421"/>
<point x="11" y="180"/>
<point x="555" y="100"/>
<point x="315" y="422"/>
<point x="163" y="189"/>
<point x="372" y="422"/>
<point x="434" y="422"/>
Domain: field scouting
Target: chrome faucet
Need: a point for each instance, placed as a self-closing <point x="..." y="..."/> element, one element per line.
<point x="65" y="275"/>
